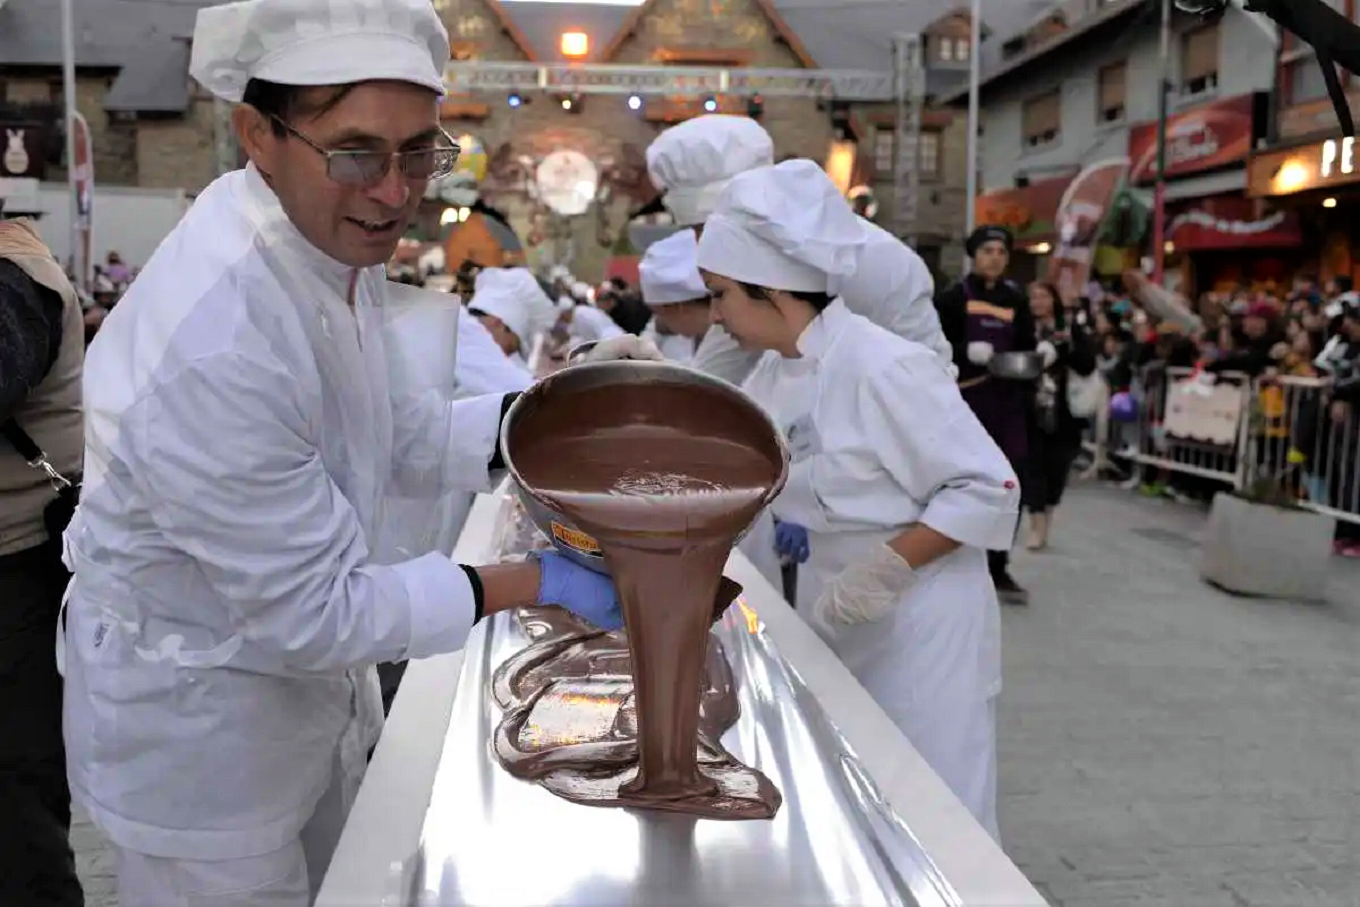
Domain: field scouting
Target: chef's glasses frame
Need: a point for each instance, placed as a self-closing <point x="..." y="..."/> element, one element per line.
<point x="353" y="167"/>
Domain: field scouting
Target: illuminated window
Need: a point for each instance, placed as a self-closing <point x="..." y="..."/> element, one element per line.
<point x="575" y="44"/>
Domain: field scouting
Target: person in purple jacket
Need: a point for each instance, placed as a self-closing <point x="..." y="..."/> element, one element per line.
<point x="982" y="315"/>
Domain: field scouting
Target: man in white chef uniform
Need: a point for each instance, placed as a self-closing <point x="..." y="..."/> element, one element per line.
<point x="691" y="163"/>
<point x="676" y="295"/>
<point x="513" y="308"/>
<point x="225" y="612"/>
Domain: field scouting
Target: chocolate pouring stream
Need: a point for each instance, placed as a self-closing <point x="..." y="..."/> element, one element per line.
<point x="665" y="477"/>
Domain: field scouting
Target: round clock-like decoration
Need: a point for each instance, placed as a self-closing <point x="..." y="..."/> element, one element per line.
<point x="567" y="181"/>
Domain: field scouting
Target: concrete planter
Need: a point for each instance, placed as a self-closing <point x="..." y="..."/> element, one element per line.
<point x="1273" y="552"/>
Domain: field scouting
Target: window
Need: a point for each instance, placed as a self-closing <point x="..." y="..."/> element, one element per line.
<point x="1111" y="97"/>
<point x="962" y="46"/>
<point x="946" y="50"/>
<point x="930" y="155"/>
<point x="1041" y="119"/>
<point x="1199" y="60"/>
<point x="885" y="146"/>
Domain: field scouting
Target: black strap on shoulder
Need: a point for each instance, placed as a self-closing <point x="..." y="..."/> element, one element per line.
<point x="26" y="446"/>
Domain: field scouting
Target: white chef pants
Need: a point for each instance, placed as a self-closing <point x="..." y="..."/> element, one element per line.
<point x="289" y="877"/>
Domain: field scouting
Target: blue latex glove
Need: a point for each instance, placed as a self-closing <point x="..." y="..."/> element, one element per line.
<point x="585" y="593"/>
<point x="791" y="541"/>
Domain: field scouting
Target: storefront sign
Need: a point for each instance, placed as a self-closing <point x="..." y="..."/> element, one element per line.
<point x="23" y="153"/>
<point x="1232" y="222"/>
<point x="1338" y="157"/>
<point x="1290" y="170"/>
<point x="1027" y="211"/>
<point x="1205" y="138"/>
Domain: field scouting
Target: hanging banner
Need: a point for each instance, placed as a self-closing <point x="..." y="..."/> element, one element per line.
<point x="84" y="173"/>
<point x="1080" y="213"/>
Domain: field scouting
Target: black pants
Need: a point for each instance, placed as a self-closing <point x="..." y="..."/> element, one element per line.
<point x="1047" y="467"/>
<point x="36" y="863"/>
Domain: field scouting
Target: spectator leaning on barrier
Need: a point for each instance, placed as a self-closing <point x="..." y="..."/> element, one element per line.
<point x="42" y="349"/>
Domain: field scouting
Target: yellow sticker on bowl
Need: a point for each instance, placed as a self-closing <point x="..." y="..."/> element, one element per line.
<point x="575" y="540"/>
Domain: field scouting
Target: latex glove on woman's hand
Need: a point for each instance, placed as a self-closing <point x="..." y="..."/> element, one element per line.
<point x="791" y="541"/>
<point x="585" y="593"/>
<point x="980" y="352"/>
<point x="629" y="346"/>
<point x="865" y="592"/>
<point x="1048" y="351"/>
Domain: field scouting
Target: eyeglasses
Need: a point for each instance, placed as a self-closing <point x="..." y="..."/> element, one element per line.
<point x="364" y="168"/>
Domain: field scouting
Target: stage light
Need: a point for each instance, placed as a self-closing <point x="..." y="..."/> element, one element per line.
<point x="711" y="105"/>
<point x="634" y="102"/>
<point x="514" y="100"/>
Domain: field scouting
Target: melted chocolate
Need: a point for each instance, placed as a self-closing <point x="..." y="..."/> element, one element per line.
<point x="590" y="720"/>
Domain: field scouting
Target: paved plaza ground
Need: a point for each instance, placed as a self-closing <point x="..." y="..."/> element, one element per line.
<point x="1161" y="743"/>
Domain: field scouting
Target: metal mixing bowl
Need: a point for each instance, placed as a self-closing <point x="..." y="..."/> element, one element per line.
<point x="1017" y="366"/>
<point x="573" y="543"/>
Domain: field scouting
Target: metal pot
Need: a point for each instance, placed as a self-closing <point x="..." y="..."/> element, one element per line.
<point x="1017" y="366"/>
<point x="573" y="543"/>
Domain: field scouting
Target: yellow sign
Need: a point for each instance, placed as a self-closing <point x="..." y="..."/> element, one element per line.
<point x="575" y="540"/>
<point x="472" y="159"/>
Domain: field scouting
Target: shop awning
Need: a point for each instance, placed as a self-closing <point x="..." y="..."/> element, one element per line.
<point x="1228" y="222"/>
<point x="1028" y="212"/>
<point x="1206" y="184"/>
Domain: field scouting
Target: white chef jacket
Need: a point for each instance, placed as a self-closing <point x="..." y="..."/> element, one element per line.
<point x="476" y="365"/>
<point x="589" y="323"/>
<point x="892" y="288"/>
<point x="675" y="347"/>
<point x="225" y="613"/>
<point x="880" y="438"/>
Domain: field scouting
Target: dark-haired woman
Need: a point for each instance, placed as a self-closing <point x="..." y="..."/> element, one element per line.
<point x="898" y="488"/>
<point x="1055" y="432"/>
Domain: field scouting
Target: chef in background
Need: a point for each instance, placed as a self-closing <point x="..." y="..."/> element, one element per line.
<point x="674" y="291"/>
<point x="584" y="322"/>
<point x="226" y="613"/>
<point x="899" y="486"/>
<point x="985" y="314"/>
<point x="890" y="285"/>
<point x="513" y="308"/>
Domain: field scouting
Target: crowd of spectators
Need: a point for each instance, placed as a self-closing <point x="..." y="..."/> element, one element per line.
<point x="1301" y="350"/>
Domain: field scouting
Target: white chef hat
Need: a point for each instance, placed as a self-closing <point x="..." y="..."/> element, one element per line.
<point x="580" y="289"/>
<point x="691" y="162"/>
<point x="669" y="270"/>
<point x="515" y="297"/>
<point x="318" y="42"/>
<point x="785" y="227"/>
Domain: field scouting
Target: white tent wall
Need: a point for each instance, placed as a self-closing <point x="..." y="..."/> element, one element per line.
<point x="128" y="220"/>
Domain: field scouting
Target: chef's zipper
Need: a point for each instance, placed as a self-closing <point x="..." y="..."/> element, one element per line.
<point x="352" y="297"/>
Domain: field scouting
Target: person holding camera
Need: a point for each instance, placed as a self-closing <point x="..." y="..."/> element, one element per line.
<point x="42" y="351"/>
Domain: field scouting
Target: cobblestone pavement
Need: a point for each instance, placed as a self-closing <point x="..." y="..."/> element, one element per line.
<point x="1162" y="744"/>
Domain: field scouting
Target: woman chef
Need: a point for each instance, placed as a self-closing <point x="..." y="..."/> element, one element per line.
<point x="674" y="291"/>
<point x="225" y="612"/>
<point x="901" y="489"/>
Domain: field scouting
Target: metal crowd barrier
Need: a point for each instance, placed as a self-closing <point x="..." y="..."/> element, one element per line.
<point x="1289" y="429"/>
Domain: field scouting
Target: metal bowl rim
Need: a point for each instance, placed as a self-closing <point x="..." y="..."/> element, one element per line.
<point x="690" y="376"/>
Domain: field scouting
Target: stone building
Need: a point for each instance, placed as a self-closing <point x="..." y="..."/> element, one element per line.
<point x="152" y="126"/>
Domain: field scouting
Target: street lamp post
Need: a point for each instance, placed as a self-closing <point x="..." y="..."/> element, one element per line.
<point x="974" y="79"/>
<point x="68" y="81"/>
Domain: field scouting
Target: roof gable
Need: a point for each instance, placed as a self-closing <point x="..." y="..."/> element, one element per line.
<point x="544" y="23"/>
<point x="767" y="7"/>
<point x="463" y="24"/>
